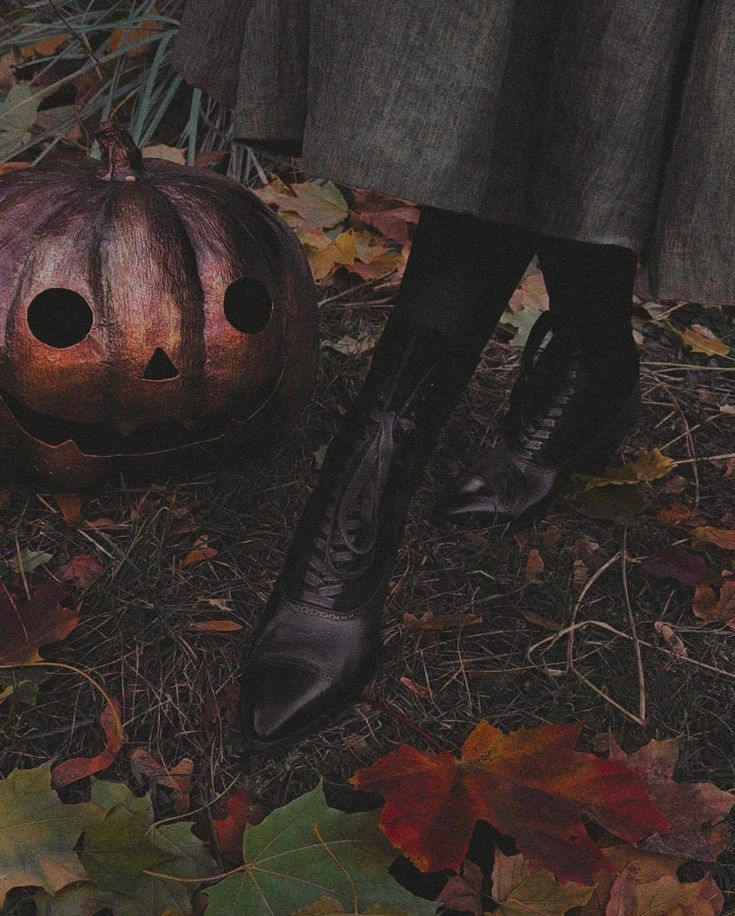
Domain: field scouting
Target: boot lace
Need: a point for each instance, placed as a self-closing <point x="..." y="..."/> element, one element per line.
<point x="537" y="405"/>
<point x="349" y="527"/>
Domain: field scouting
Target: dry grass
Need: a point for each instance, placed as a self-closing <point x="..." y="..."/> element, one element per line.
<point x="135" y="633"/>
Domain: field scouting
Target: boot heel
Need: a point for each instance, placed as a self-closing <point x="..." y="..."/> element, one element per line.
<point x="601" y="451"/>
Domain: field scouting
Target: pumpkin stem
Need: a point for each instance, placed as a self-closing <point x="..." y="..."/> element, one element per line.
<point x="124" y="159"/>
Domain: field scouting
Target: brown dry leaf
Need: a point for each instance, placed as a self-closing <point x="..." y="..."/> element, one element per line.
<point x="82" y="571"/>
<point x="201" y="551"/>
<point x="169" y="153"/>
<point x="224" y="704"/>
<point x="678" y="514"/>
<point x="432" y="621"/>
<point x="392" y="223"/>
<point x="47" y="47"/>
<point x="534" y="565"/>
<point x="178" y="778"/>
<point x="215" y="626"/>
<point x="306" y="205"/>
<point x="672" y="640"/>
<point x="580" y="574"/>
<point x="464" y="892"/>
<point x="530" y="294"/>
<point x="540" y="620"/>
<point x="710" y="607"/>
<point x="384" y="266"/>
<point x="665" y="897"/>
<point x="522" y="890"/>
<point x="651" y="466"/>
<point x="71" y="508"/>
<point x="127" y="37"/>
<point x="721" y="537"/>
<point x="700" y="339"/>
<point x="421" y="690"/>
<point x="69" y="771"/>
<point x="27" y="625"/>
<point x="692" y="808"/>
<point x="7" y="167"/>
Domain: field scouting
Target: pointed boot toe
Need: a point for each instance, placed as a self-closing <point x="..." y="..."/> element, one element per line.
<point x="281" y="700"/>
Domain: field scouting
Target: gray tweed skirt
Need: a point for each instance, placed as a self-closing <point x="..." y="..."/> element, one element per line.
<point x="610" y="121"/>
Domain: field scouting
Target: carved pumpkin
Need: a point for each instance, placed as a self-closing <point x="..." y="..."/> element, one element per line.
<point x="148" y="311"/>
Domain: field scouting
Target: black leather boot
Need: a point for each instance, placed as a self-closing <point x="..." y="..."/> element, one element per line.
<point x="567" y="414"/>
<point x="318" y="641"/>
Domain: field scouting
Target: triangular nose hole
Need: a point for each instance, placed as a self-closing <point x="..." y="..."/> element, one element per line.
<point x="160" y="367"/>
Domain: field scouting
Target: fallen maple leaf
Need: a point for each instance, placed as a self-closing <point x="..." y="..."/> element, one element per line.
<point x="26" y="626"/>
<point x="651" y="466"/>
<point x="82" y="571"/>
<point x="38" y="833"/>
<point x="666" y="897"/>
<point x="521" y="889"/>
<point x="720" y="537"/>
<point x="692" y="808"/>
<point x="69" y="771"/>
<point x="241" y="810"/>
<point x="224" y="704"/>
<point x="393" y="223"/>
<point x="637" y="886"/>
<point x="676" y="563"/>
<point x="306" y="204"/>
<point x="700" y="339"/>
<point x="710" y="607"/>
<point x="530" y="784"/>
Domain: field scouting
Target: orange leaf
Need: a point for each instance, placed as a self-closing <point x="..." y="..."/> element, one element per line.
<point x="25" y="626"/>
<point x="713" y="608"/>
<point x="7" y="167"/>
<point x="198" y="555"/>
<point x="241" y="810"/>
<point x="69" y="771"/>
<point x="216" y="626"/>
<point x="534" y="565"/>
<point x="720" y="537"/>
<point x="71" y="508"/>
<point x="531" y="784"/>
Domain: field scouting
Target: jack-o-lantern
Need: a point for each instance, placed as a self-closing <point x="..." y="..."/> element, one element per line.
<point x="148" y="311"/>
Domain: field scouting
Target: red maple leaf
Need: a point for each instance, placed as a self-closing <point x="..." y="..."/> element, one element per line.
<point x="26" y="625"/>
<point x="530" y="784"/>
<point x="241" y="810"/>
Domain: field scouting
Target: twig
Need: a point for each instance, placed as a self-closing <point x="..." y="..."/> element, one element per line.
<point x="399" y="717"/>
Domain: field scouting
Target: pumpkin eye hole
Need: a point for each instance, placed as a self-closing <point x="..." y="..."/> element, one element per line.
<point x="248" y="305"/>
<point x="60" y="317"/>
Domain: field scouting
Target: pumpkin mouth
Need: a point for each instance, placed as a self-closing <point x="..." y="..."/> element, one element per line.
<point x="104" y="440"/>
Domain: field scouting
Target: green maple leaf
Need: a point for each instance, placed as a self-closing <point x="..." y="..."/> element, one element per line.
<point x="306" y="852"/>
<point x="38" y="833"/>
<point x="188" y="858"/>
<point x="117" y="851"/>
